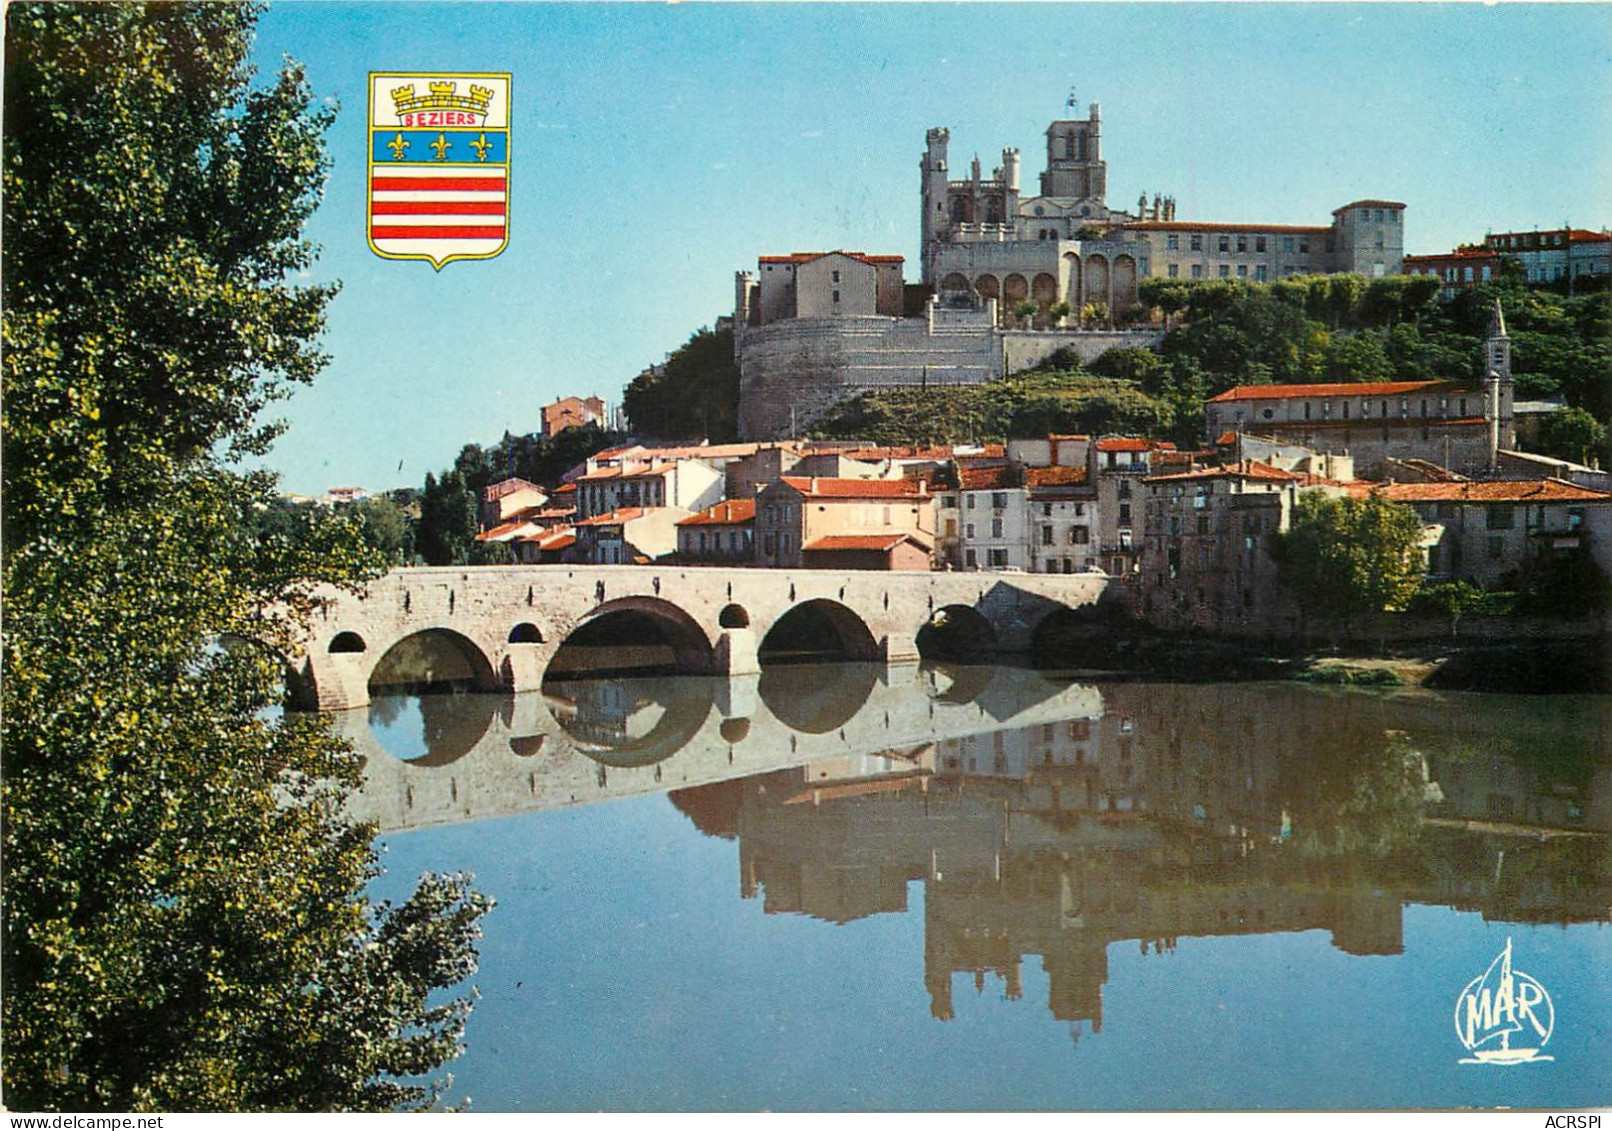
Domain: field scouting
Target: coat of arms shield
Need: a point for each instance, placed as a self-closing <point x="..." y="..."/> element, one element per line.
<point x="438" y="165"/>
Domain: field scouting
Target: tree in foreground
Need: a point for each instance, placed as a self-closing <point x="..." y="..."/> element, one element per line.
<point x="1341" y="557"/>
<point x="184" y="925"/>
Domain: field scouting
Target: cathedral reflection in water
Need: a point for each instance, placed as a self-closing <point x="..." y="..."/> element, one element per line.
<point x="1054" y="820"/>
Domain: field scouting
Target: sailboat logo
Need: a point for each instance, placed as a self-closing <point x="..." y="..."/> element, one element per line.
<point x="1504" y="1016"/>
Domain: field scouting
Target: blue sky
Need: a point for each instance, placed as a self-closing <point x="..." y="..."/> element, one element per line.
<point x="659" y="148"/>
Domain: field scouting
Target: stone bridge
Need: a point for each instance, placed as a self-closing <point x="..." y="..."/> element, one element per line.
<point x="499" y="627"/>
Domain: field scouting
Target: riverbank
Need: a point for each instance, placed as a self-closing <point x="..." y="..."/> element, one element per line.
<point x="1521" y="666"/>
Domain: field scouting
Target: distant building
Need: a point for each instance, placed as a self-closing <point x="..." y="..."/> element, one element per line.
<point x="1555" y="254"/>
<point x="802" y="522"/>
<point x="1457" y="270"/>
<point x="723" y="534"/>
<point x="574" y="412"/>
<point x="628" y="536"/>
<point x="507" y="499"/>
<point x="1491" y="529"/>
<point x="820" y="284"/>
<point x="1206" y="561"/>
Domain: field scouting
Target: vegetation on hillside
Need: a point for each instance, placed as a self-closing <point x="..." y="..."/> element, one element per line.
<point x="694" y="396"/>
<point x="184" y="924"/>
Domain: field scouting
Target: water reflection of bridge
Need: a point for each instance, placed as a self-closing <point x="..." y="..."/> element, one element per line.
<point x="596" y="740"/>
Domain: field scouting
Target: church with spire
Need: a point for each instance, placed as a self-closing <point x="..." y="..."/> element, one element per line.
<point x="1453" y="426"/>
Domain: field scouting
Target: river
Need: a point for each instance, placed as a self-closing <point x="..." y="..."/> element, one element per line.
<point x="852" y="887"/>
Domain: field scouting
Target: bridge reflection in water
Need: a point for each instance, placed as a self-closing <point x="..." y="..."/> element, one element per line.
<point x="1054" y="819"/>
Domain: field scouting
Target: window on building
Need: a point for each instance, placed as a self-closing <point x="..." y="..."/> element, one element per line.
<point x="1173" y="270"/>
<point x="1224" y="243"/>
<point x="1203" y="524"/>
<point x="1197" y="243"/>
<point x="1242" y="243"/>
<point x="1046" y="535"/>
<point x="968" y="531"/>
<point x="970" y="499"/>
<point x="1079" y="535"/>
<point x="996" y="528"/>
<point x="999" y="559"/>
<point x="1046" y="510"/>
<point x="1259" y="273"/>
<point x="1306" y="410"/>
<point x="969" y="559"/>
<point x="836" y="276"/>
<point x="1259" y="243"/>
<point x="1197" y="270"/>
<point x="1225" y="271"/>
<point x="1500" y="517"/>
<point x="1304" y="247"/>
<point x="1287" y="243"/>
<point x="998" y="501"/>
<point x="1173" y="242"/>
<point x="1125" y="514"/>
<point x="1242" y="270"/>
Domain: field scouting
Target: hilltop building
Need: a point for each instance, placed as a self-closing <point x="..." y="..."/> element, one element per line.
<point x="983" y="240"/>
<point x="813" y="329"/>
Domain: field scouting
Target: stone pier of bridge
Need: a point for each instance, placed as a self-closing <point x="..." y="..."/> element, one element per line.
<point x="506" y="623"/>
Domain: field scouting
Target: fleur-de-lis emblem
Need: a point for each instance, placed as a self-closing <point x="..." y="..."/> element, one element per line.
<point x="442" y="145"/>
<point x="481" y="145"/>
<point x="398" y="146"/>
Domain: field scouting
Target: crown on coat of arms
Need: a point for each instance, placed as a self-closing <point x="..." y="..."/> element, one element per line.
<point x="442" y="96"/>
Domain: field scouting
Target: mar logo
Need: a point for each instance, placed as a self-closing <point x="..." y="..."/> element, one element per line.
<point x="1504" y="1016"/>
<point x="438" y="165"/>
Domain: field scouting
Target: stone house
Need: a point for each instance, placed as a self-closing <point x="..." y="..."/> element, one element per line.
<point x="723" y="534"/>
<point x="793" y="514"/>
<point x="1205" y="560"/>
<point x="628" y="535"/>
<point x="1491" y="530"/>
<point x="507" y="499"/>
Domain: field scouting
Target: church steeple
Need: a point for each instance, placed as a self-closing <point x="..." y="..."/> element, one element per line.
<point x="1497" y="407"/>
<point x="1497" y="347"/>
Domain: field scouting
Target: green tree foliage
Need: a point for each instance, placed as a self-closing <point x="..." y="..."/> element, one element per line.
<point x="184" y="925"/>
<point x="695" y="396"/>
<point x="1572" y="434"/>
<point x="1342" y="556"/>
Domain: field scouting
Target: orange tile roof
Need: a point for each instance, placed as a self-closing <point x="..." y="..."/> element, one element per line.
<point x="880" y="542"/>
<point x="507" y="487"/>
<point x="733" y="512"/>
<point x="565" y="487"/>
<point x="615" y="518"/>
<point x="1338" y="389"/>
<point x="504" y="530"/>
<point x="857" y="488"/>
<point x="1245" y="469"/>
<point x="1133" y="444"/>
<point x="1496" y="491"/>
<point x="556" y="539"/>
<point x="1227" y="438"/>
<point x="808" y="256"/>
<point x="986" y="478"/>
<point x="1054" y="476"/>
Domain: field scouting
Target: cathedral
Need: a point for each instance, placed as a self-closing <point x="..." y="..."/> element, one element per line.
<point x="984" y="240"/>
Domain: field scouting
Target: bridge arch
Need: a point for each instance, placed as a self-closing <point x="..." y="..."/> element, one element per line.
<point x="957" y="632"/>
<point x="433" y="659"/>
<point x="661" y="634"/>
<point x="818" y="629"/>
